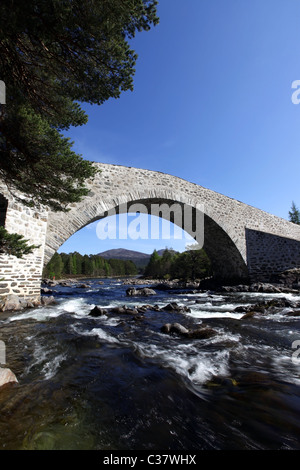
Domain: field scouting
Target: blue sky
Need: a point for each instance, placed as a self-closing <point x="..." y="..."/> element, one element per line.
<point x="211" y="104"/>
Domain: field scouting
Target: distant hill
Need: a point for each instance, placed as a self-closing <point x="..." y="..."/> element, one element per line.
<point x="140" y="259"/>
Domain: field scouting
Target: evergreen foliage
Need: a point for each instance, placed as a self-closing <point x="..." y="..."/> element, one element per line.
<point x="14" y="244"/>
<point x="74" y="264"/>
<point x="192" y="264"/>
<point x="294" y="214"/>
<point x="53" y="56"/>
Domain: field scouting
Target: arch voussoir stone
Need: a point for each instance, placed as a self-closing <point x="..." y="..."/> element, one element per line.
<point x="243" y="242"/>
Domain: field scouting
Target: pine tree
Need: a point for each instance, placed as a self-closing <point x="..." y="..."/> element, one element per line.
<point x="14" y="244"/>
<point x="53" y="56"/>
<point x="294" y="214"/>
<point x="153" y="268"/>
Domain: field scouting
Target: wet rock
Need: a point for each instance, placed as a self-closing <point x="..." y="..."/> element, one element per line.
<point x="257" y="380"/>
<point x="65" y="283"/>
<point x="174" y="307"/>
<point x="162" y="286"/>
<point x="143" y="308"/>
<point x="156" y="308"/>
<point x="82" y="286"/>
<point x="248" y="315"/>
<point x="135" y="281"/>
<point x="174" y="328"/>
<point x="226" y="382"/>
<point x="45" y="290"/>
<point x="177" y="328"/>
<point x="143" y="291"/>
<point x="118" y="310"/>
<point x="294" y="313"/>
<point x="131" y="311"/>
<point x="171" y="307"/>
<point x="262" y="287"/>
<point x="265" y="288"/>
<point x="138" y="317"/>
<point x="241" y="309"/>
<point x="288" y="279"/>
<point x="97" y="312"/>
<point x="48" y="300"/>
<point x="166" y="328"/>
<point x="50" y="282"/>
<point x="10" y="303"/>
<point x="267" y="307"/>
<point x="202" y="333"/>
<point x="125" y="310"/>
<point x="7" y="376"/>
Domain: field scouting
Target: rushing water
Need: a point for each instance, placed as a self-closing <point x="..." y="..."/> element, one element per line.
<point x="117" y="382"/>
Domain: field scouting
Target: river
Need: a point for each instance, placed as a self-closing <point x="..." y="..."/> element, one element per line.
<point x="117" y="382"/>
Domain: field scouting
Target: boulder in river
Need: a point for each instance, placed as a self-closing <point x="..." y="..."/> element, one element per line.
<point x="174" y="307"/>
<point x="198" y="333"/>
<point x="143" y="291"/>
<point x="174" y="328"/>
<point x="201" y="333"/>
<point x="97" y="312"/>
<point x="10" y="302"/>
<point x="45" y="290"/>
<point x="125" y="310"/>
<point x="48" y="300"/>
<point x="7" y="376"/>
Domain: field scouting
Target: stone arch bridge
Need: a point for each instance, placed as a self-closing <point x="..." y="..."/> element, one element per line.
<point x="243" y="243"/>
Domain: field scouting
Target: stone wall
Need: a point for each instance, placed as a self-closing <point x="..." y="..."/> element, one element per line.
<point x="268" y="255"/>
<point x="23" y="276"/>
<point x="240" y="239"/>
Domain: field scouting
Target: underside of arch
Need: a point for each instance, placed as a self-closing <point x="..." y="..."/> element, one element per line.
<point x="227" y="262"/>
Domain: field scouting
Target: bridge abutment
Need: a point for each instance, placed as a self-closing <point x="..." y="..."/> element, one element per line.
<point x="22" y="276"/>
<point x="269" y="255"/>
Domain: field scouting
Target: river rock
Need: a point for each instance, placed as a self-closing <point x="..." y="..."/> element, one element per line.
<point x="118" y="310"/>
<point x="174" y="307"/>
<point x="11" y="302"/>
<point x="289" y="278"/>
<point x="294" y="313"/>
<point x="248" y="315"/>
<point x="97" y="312"/>
<point x="125" y="310"/>
<point x="7" y="376"/>
<point x="156" y="308"/>
<point x="198" y="333"/>
<point x="48" y="300"/>
<point x="174" y="328"/>
<point x="143" y="291"/>
<point x="45" y="290"/>
<point x="202" y="333"/>
<point x="50" y="282"/>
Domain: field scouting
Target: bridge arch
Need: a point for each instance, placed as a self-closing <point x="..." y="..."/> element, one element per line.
<point x="240" y="240"/>
<point x="227" y="258"/>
